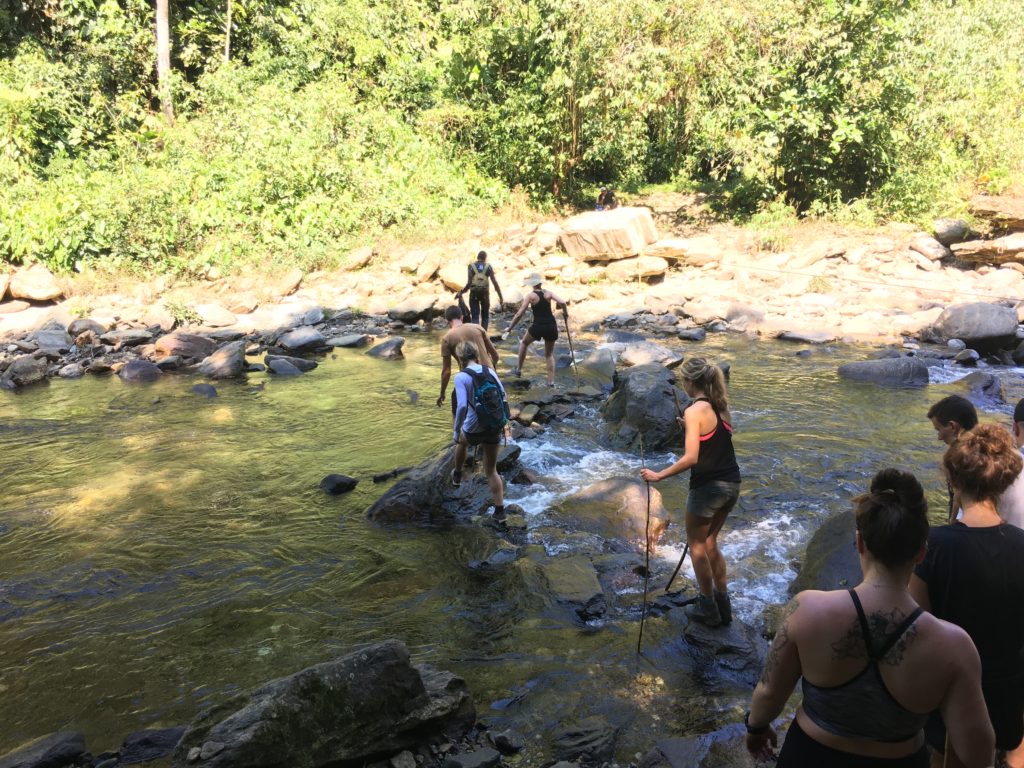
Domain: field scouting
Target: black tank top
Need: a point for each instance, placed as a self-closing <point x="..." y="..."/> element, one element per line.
<point x="542" y="310"/>
<point x="716" y="459"/>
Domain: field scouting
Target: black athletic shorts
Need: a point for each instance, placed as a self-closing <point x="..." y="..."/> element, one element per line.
<point x="546" y="332"/>
<point x="801" y="751"/>
<point x="483" y="438"/>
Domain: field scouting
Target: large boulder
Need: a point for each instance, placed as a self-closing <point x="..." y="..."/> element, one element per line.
<point x="981" y="326"/>
<point x="905" y="371"/>
<point x="23" y="371"/>
<point x="615" y="508"/>
<point x="642" y="403"/>
<point x="646" y="352"/>
<point x="188" y="346"/>
<point x="608" y="235"/>
<point x="226" y="363"/>
<point x="343" y="712"/>
<point x="56" y="750"/>
<point x="949" y="231"/>
<point x="426" y="496"/>
<point x="829" y="561"/>
<point x="35" y="283"/>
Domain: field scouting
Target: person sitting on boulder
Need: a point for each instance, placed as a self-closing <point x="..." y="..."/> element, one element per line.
<point x="714" y="485"/>
<point x="473" y="427"/>
<point x="481" y="274"/>
<point x="873" y="663"/>
<point x="543" y="326"/>
<point x="605" y="200"/>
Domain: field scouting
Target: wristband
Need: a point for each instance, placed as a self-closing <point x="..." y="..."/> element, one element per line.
<point x="755" y="730"/>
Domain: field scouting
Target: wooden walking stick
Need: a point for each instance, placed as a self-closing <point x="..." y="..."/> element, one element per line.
<point x="686" y="549"/>
<point x="572" y="352"/>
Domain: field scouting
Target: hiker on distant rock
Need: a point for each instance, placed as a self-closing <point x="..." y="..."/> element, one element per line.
<point x="480" y="418"/>
<point x="481" y="274"/>
<point x="458" y="332"/>
<point x="952" y="416"/>
<point x="714" y="485"/>
<point x="872" y="663"/>
<point x="543" y="326"/>
<point x="605" y="200"/>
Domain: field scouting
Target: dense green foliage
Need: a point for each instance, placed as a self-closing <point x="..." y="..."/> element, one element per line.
<point x="336" y="120"/>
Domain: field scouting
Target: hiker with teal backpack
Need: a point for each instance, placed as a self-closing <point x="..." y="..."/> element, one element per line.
<point x="481" y="415"/>
<point x="481" y="274"/>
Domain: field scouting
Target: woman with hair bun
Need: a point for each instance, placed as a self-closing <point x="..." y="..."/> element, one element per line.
<point x="714" y="485"/>
<point x="973" y="576"/>
<point x="873" y="663"/>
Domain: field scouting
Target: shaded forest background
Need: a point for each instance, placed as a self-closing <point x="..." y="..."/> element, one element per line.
<point x="330" y="122"/>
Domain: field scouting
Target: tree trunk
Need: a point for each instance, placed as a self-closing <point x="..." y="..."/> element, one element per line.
<point x="163" y="58"/>
<point x="227" y="36"/>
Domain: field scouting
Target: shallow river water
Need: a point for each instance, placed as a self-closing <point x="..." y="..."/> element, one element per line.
<point x="160" y="551"/>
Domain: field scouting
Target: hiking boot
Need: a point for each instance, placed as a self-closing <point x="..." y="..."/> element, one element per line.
<point x="724" y="606"/>
<point x="499" y="514"/>
<point x="515" y="373"/>
<point x="705" y="610"/>
<point x="456" y="478"/>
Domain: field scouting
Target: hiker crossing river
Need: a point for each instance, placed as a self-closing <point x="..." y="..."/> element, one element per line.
<point x="180" y="550"/>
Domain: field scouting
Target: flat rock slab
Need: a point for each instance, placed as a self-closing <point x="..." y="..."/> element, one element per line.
<point x="573" y="580"/>
<point x="590" y="741"/>
<point x="481" y="758"/>
<point x="350" y="340"/>
<point x="13" y="306"/>
<point x="1004" y="211"/>
<point x="282" y="367"/>
<point x="131" y="337"/>
<point x="305" y="337"/>
<point x="998" y="251"/>
<point x="215" y="316"/>
<point x="807" y="337"/>
<point x="57" y="750"/>
<point x="724" y="748"/>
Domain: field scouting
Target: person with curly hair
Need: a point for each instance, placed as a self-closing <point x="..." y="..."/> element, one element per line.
<point x="973" y="576"/>
<point x="873" y="664"/>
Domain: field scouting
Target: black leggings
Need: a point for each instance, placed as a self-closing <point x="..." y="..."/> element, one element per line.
<point x="801" y="751"/>
<point x="480" y="307"/>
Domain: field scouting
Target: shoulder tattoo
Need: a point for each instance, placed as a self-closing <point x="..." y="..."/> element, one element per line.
<point x="780" y="641"/>
<point x="880" y="625"/>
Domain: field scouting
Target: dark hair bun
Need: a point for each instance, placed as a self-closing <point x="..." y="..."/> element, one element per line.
<point x="903" y="484"/>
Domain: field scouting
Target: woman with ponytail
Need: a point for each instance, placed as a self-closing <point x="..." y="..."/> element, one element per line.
<point x="872" y="663"/>
<point x="973" y="576"/>
<point x="714" y="485"/>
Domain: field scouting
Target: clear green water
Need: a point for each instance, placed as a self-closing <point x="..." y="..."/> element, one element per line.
<point x="160" y="551"/>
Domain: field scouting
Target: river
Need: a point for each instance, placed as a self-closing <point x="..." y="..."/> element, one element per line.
<point x="160" y="551"/>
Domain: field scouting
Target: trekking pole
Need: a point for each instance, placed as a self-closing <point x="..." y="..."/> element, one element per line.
<point x="686" y="549"/>
<point x="572" y="352"/>
<point x="647" y="549"/>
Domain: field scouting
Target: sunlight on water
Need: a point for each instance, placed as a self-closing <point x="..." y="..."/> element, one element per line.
<point x="160" y="551"/>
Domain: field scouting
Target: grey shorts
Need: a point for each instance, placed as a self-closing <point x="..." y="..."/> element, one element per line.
<point x="712" y="498"/>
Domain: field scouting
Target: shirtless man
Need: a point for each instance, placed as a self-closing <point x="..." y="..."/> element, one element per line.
<point x="459" y="331"/>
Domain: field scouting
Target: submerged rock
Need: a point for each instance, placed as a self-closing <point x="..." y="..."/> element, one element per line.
<point x="899" y="370"/>
<point x="389" y="350"/>
<point x="297" y="362"/>
<point x="346" y="711"/>
<point x="143" y="746"/>
<point x="139" y="372"/>
<point x="338" y="484"/>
